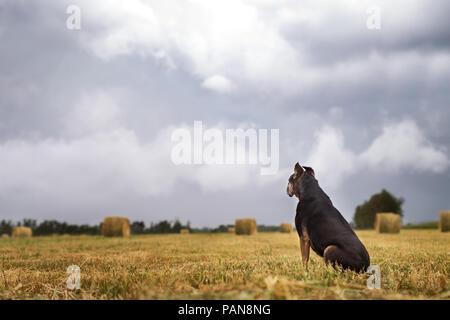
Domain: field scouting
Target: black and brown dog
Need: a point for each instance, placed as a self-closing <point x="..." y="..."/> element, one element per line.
<point x="321" y="226"/>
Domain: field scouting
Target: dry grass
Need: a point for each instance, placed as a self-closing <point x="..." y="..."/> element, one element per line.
<point x="184" y="231"/>
<point x="414" y="264"/>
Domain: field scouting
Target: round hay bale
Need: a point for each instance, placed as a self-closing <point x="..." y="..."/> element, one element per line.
<point x="388" y="222"/>
<point x="5" y="236"/>
<point x="231" y="230"/>
<point x="116" y="227"/>
<point x="286" y="228"/>
<point x="245" y="226"/>
<point x="184" y="231"/>
<point x="444" y="221"/>
<point x="22" y="232"/>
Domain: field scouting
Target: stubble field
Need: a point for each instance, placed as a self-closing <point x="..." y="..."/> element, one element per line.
<point x="414" y="264"/>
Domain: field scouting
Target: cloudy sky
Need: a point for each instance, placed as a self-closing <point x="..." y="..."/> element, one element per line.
<point x="86" y="116"/>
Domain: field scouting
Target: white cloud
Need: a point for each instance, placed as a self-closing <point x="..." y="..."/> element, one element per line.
<point x="232" y="39"/>
<point x="404" y="146"/>
<point x="103" y="157"/>
<point x="227" y="177"/>
<point x="97" y="111"/>
<point x="400" y="147"/>
<point x="99" y="168"/>
<point x="99" y="163"/>
<point x="112" y="162"/>
<point x="329" y="157"/>
<point x="207" y="38"/>
<point x="252" y="43"/>
<point x="218" y="83"/>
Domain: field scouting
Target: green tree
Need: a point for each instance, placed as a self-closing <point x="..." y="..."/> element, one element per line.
<point x="384" y="201"/>
<point x="177" y="226"/>
<point x="6" y="227"/>
<point x="137" y="227"/>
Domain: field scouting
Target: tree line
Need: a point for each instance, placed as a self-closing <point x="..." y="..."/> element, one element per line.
<point x="49" y="227"/>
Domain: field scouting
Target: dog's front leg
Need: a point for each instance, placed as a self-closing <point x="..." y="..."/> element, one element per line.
<point x="304" y="248"/>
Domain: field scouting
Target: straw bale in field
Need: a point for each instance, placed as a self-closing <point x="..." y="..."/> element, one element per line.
<point x="116" y="227"/>
<point x="22" y="232"/>
<point x="388" y="222"/>
<point x="286" y="228"/>
<point x="444" y="221"/>
<point x="245" y="226"/>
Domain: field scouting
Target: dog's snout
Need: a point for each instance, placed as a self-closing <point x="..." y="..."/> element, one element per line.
<point x="288" y="190"/>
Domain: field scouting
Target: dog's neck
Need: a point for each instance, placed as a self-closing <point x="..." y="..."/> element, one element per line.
<point x="306" y="188"/>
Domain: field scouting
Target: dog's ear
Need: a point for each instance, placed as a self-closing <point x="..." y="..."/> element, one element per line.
<point x="310" y="171"/>
<point x="298" y="170"/>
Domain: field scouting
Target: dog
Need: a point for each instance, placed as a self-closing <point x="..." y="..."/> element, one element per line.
<point x="321" y="226"/>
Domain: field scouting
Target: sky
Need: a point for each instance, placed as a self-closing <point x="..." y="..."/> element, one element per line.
<point x="87" y="114"/>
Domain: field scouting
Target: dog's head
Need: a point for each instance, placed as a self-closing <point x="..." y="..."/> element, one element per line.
<point x="294" y="179"/>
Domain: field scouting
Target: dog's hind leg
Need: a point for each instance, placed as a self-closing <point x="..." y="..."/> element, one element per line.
<point x="337" y="256"/>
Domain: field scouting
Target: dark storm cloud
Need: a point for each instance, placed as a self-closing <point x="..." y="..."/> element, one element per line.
<point x="342" y="34"/>
<point x="84" y="123"/>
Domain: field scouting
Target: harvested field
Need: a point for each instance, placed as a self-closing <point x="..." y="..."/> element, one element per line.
<point x="414" y="264"/>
